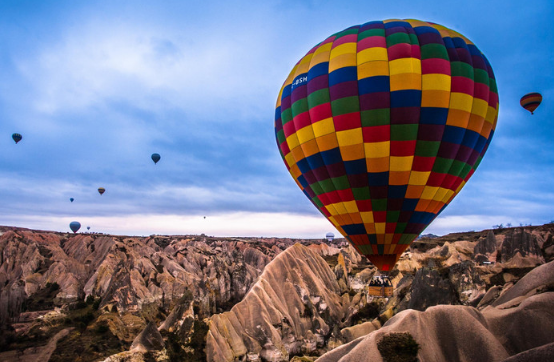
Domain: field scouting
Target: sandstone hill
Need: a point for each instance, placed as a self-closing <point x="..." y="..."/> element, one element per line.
<point x="519" y="323"/>
<point x="198" y="298"/>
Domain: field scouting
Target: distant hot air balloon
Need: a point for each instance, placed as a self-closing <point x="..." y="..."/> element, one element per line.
<point x="75" y="226"/>
<point x="71" y="199"/>
<point x="155" y="157"/>
<point x="382" y="124"/>
<point x="17" y="137"/>
<point x="330" y="237"/>
<point x="531" y="101"/>
<point x="88" y="227"/>
<point x="101" y="190"/>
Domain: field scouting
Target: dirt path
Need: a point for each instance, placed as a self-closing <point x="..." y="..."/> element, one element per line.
<point x="47" y="351"/>
<point x="35" y="354"/>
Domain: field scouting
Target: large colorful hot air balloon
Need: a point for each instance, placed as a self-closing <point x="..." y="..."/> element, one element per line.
<point x="75" y="226"/>
<point x="531" y="101"/>
<point x="382" y="124"/>
<point x="155" y="157"/>
<point x="101" y="190"/>
<point x="17" y="137"/>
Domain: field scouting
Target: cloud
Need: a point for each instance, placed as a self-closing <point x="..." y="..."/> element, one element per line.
<point x="449" y="224"/>
<point x="221" y="224"/>
<point x="152" y="67"/>
<point x="96" y="88"/>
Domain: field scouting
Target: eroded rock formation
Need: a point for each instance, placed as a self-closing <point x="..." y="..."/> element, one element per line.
<point x="519" y="324"/>
<point x="263" y="303"/>
<point x="293" y="308"/>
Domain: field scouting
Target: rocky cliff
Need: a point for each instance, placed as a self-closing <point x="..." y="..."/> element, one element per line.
<point x="293" y="309"/>
<point x="518" y="323"/>
<point x="254" y="299"/>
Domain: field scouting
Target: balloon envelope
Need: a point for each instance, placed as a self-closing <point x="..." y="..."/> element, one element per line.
<point x="155" y="157"/>
<point x="101" y="190"/>
<point x="71" y="199"/>
<point x="330" y="236"/>
<point x="75" y="226"/>
<point x="531" y="101"/>
<point x="17" y="137"/>
<point x="88" y="227"/>
<point x="382" y="124"/>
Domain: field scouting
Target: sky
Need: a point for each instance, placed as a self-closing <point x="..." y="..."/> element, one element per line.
<point x="96" y="87"/>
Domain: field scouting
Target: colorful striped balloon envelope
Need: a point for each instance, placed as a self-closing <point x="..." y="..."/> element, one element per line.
<point x="382" y="124"/>
<point x="531" y="101"/>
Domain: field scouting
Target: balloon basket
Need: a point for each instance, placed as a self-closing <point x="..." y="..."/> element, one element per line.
<point x="384" y="292"/>
<point x="380" y="286"/>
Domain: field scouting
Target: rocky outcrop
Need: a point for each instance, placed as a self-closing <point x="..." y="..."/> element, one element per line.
<point x="520" y="249"/>
<point x="129" y="273"/>
<point x="518" y="324"/>
<point x="351" y="333"/>
<point x="148" y="340"/>
<point x="444" y="333"/>
<point x="467" y="282"/>
<point x="540" y="278"/>
<point x="429" y="289"/>
<point x="485" y="249"/>
<point x="292" y="308"/>
<point x="137" y="356"/>
<point x="524" y="324"/>
<point x="542" y="353"/>
<point x="264" y="299"/>
<point x="548" y="246"/>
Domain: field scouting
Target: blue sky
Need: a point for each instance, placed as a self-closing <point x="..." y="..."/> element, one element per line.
<point x="96" y="87"/>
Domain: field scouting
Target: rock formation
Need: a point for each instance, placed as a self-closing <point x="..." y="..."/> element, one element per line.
<point x="148" y="340"/>
<point x="521" y="245"/>
<point x="444" y="333"/>
<point x="292" y="308"/>
<point x="267" y="299"/>
<point x="429" y="289"/>
<point x="519" y="324"/>
<point x="485" y="249"/>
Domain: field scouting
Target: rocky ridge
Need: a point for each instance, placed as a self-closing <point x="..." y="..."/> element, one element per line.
<point x="227" y="299"/>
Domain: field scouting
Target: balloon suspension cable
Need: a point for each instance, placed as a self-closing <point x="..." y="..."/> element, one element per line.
<point x="383" y="273"/>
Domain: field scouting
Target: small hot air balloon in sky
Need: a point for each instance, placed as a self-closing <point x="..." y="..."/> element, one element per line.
<point x="330" y="237"/>
<point x="531" y="101"/>
<point x="88" y="227"/>
<point x="71" y="199"/>
<point x="382" y="124"/>
<point x="101" y="190"/>
<point x="17" y="137"/>
<point x="75" y="226"/>
<point x="155" y="157"/>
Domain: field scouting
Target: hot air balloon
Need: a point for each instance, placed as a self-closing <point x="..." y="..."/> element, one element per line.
<point x="71" y="199"/>
<point x="101" y="190"/>
<point x="330" y="237"/>
<point x="531" y="101"/>
<point x="17" y="137"/>
<point x="155" y="157"/>
<point x="382" y="124"/>
<point x="75" y="226"/>
<point x="88" y="227"/>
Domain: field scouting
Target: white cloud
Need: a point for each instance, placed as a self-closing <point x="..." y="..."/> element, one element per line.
<point x="150" y="67"/>
<point x="450" y="224"/>
<point x="230" y="224"/>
